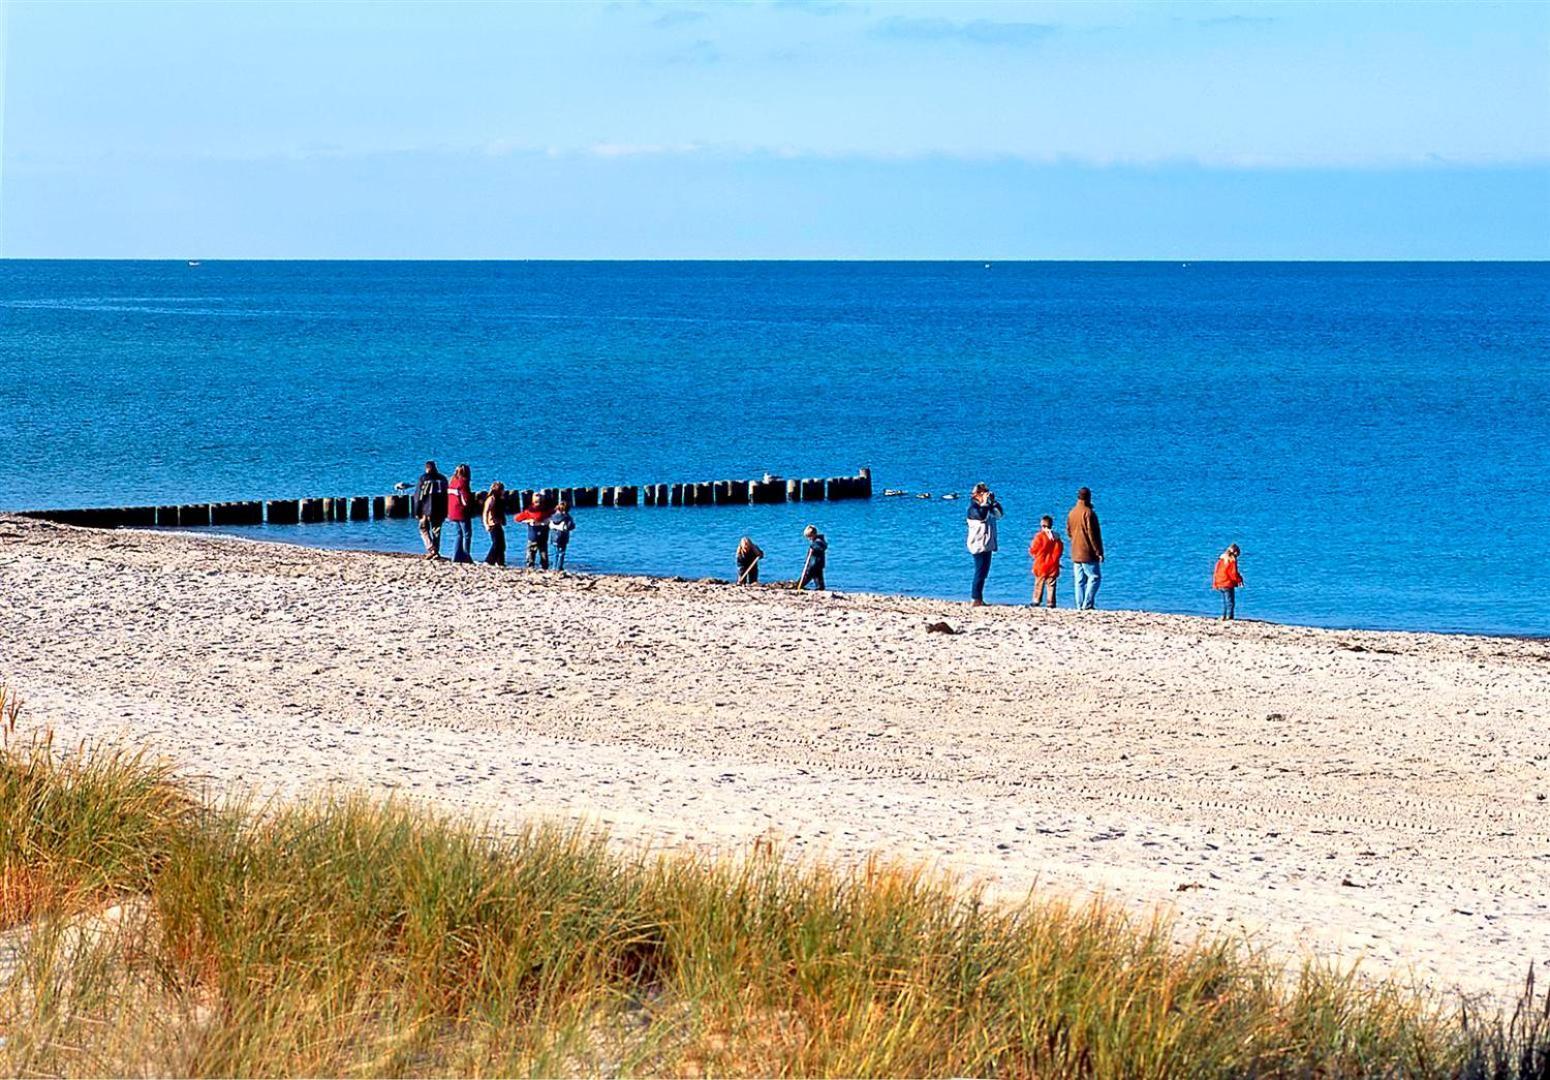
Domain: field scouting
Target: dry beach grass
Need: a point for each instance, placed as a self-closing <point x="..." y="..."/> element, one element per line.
<point x="145" y="934"/>
<point x="1363" y="797"/>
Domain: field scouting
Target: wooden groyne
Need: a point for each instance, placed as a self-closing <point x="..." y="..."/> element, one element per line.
<point x="763" y="492"/>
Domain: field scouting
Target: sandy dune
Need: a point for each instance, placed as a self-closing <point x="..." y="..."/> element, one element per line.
<point x="1381" y="796"/>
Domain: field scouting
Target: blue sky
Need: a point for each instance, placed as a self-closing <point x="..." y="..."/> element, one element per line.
<point x="782" y="129"/>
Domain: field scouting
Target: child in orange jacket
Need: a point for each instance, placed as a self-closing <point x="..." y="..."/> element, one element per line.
<point x="1228" y="581"/>
<point x="1046" y="550"/>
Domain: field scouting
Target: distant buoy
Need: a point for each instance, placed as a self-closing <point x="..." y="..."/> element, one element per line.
<point x="950" y="496"/>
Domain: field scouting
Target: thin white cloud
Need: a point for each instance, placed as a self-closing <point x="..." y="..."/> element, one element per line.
<point x="973" y="32"/>
<point x="630" y="150"/>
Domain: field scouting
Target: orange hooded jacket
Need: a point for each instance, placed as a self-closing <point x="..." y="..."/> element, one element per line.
<point x="1226" y="576"/>
<point x="1046" y="550"/>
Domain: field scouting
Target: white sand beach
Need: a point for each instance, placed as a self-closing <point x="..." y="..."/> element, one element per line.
<point x="1374" y="796"/>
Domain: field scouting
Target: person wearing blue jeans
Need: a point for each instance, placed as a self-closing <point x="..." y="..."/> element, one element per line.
<point x="1088" y="575"/>
<point x="1086" y="549"/>
<point x="984" y="511"/>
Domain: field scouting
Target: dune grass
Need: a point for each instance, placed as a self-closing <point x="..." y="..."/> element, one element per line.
<point x="147" y="933"/>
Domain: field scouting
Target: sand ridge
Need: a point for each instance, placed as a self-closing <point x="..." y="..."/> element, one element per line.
<point x="1369" y="795"/>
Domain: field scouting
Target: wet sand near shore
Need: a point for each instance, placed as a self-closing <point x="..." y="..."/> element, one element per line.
<point x="1380" y="797"/>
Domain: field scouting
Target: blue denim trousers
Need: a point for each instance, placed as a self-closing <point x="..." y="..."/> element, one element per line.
<point x="1229" y="603"/>
<point x="464" y="551"/>
<point x="981" y="572"/>
<point x="1088" y="575"/>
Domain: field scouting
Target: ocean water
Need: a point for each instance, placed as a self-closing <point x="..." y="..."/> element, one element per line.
<point x="1376" y="437"/>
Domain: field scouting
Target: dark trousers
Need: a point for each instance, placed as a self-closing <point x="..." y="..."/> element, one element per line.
<point x="463" y="547"/>
<point x="1229" y="603"/>
<point x="981" y="572"/>
<point x="812" y="574"/>
<point x="497" y="555"/>
<point x="749" y="575"/>
<point x="538" y="549"/>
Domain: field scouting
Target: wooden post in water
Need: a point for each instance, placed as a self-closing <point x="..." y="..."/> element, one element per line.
<point x="311" y="511"/>
<point x="379" y="507"/>
<point x="166" y="515"/>
<point x="767" y="492"/>
<point x="793" y="491"/>
<point x="397" y="506"/>
<point x="360" y="508"/>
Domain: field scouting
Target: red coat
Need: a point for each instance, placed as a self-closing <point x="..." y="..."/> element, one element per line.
<point x="1046" y="550"/>
<point x="1226" y="576"/>
<point x="460" y="501"/>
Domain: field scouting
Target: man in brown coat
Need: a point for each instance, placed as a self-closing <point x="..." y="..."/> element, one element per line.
<point x="1086" y="548"/>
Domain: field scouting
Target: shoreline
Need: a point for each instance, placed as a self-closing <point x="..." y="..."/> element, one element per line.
<point x="1375" y="803"/>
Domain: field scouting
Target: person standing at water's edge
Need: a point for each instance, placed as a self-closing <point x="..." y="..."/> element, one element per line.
<point x="460" y="511"/>
<point x="430" y="506"/>
<point x="562" y="525"/>
<point x="817" y="556"/>
<point x="748" y="556"/>
<point x="536" y="518"/>
<point x="1086" y="549"/>
<point x="495" y="523"/>
<point x="1227" y="581"/>
<point x="1046" y="550"/>
<point x="984" y="512"/>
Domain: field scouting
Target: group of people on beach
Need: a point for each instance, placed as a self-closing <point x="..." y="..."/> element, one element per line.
<point x="440" y="501"/>
<point x="1046" y="548"/>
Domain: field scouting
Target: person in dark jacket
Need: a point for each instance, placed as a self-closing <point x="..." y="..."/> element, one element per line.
<point x="748" y="556"/>
<point x="536" y="518"/>
<point x="817" y="556"/>
<point x="1086" y="549"/>
<point x="430" y="501"/>
<point x="561" y="525"/>
<point x="984" y="512"/>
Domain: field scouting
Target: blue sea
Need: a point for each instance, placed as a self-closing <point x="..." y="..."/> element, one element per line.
<point x="1376" y="437"/>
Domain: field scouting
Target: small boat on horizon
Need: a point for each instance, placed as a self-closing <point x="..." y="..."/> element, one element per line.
<point x="193" y="262"/>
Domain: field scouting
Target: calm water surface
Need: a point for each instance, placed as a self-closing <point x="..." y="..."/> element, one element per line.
<point x="1375" y="436"/>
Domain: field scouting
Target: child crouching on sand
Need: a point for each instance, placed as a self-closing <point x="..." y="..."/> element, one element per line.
<point x="1228" y="581"/>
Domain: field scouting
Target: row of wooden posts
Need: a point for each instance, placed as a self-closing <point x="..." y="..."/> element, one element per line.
<point x="767" y="491"/>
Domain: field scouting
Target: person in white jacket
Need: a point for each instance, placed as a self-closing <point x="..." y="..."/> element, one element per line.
<point x="984" y="512"/>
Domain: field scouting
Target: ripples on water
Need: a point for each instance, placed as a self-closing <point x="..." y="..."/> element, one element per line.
<point x="1374" y="436"/>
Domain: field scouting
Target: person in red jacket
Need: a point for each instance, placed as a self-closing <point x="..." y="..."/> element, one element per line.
<point x="1046" y="550"/>
<point x="536" y="518"/>
<point x="1228" y="581"/>
<point x="460" y="511"/>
